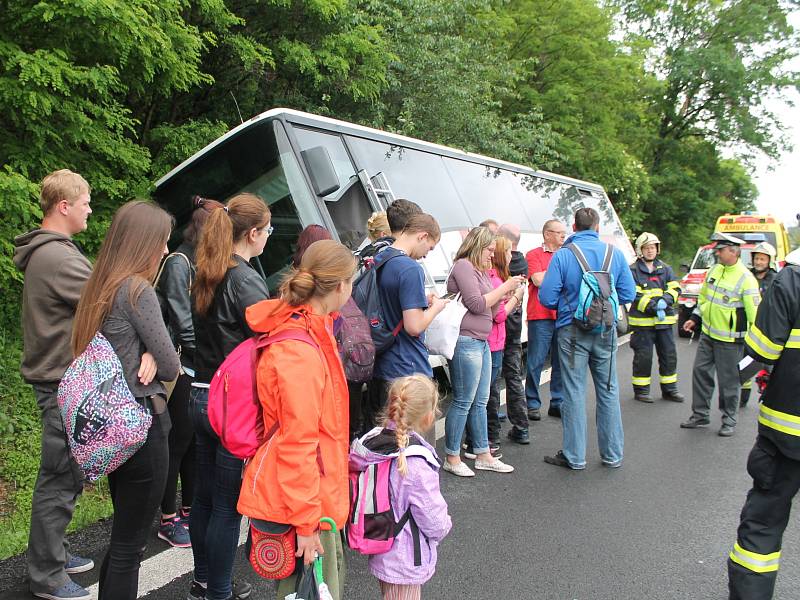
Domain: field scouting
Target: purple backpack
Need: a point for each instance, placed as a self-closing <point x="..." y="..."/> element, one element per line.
<point x="356" y="348"/>
<point x="105" y="425"/>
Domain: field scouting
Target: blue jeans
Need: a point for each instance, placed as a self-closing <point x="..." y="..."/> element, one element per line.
<point x="470" y="374"/>
<point x="541" y="342"/>
<point x="598" y="354"/>
<point x="214" y="521"/>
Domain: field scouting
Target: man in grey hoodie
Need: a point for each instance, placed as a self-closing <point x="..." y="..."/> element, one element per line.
<point x="55" y="273"/>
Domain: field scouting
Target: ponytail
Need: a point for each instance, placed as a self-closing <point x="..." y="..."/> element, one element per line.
<point x="224" y="227"/>
<point x="411" y="399"/>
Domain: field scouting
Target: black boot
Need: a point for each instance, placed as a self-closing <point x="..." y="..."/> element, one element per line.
<point x="642" y="394"/>
<point x="673" y="395"/>
<point x="744" y="397"/>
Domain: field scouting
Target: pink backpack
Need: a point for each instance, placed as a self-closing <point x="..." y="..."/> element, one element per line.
<point x="371" y="527"/>
<point x="233" y="407"/>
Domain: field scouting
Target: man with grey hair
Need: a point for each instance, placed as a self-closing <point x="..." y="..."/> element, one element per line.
<point x="512" y="355"/>
<point x="542" y="324"/>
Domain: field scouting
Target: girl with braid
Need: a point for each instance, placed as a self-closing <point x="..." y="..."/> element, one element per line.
<point x="413" y="486"/>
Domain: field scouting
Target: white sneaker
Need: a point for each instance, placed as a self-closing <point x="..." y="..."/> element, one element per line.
<point x="498" y="466"/>
<point x="460" y="469"/>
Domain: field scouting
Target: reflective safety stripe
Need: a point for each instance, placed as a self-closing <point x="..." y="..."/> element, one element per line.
<point x="668" y="320"/>
<point x="640" y="381"/>
<point x="726" y="303"/>
<point x="669" y="378"/>
<point x="728" y="335"/>
<point x="641" y="321"/>
<point x="762" y="345"/>
<point x="753" y="292"/>
<point x="758" y="563"/>
<point x="647" y="296"/>
<point x="794" y="339"/>
<point x="748" y="385"/>
<point x="779" y="421"/>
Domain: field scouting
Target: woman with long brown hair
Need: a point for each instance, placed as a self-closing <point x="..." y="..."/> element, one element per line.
<point x="470" y="368"/>
<point x="300" y="474"/>
<point x="225" y="285"/>
<point x="173" y="288"/>
<point x="119" y="302"/>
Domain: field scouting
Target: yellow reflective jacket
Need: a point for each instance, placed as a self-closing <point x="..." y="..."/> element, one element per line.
<point x="728" y="301"/>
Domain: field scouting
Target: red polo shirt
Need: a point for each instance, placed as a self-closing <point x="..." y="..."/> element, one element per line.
<point x="538" y="261"/>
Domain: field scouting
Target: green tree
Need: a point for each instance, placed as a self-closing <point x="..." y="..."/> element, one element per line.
<point x="719" y="60"/>
<point x="589" y="90"/>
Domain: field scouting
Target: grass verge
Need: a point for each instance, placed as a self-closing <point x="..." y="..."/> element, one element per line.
<point x="20" y="439"/>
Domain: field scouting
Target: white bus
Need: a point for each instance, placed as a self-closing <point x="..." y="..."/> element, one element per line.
<point x="313" y="169"/>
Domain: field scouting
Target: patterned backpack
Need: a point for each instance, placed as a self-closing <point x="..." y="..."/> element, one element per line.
<point x="105" y="425"/>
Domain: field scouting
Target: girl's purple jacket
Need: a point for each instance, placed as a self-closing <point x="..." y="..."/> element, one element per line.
<point x="419" y="490"/>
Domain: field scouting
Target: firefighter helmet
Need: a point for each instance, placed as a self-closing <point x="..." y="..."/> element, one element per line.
<point x="765" y="248"/>
<point x="644" y="239"/>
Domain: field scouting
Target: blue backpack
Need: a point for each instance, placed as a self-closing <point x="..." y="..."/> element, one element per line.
<point x="597" y="298"/>
<point x="367" y="298"/>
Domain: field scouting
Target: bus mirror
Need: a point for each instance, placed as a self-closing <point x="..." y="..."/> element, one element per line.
<point x="320" y="168"/>
<point x="684" y="268"/>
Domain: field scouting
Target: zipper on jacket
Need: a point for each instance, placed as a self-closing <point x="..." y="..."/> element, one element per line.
<point x="224" y="429"/>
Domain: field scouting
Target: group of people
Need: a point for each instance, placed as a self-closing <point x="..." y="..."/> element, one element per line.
<point x="173" y="318"/>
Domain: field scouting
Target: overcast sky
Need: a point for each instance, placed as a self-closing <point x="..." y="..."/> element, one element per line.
<point x="779" y="192"/>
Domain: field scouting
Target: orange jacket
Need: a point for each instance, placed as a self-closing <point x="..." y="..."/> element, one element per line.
<point x="301" y="474"/>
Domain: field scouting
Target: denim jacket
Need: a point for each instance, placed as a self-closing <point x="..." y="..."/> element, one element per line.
<point x="418" y="490"/>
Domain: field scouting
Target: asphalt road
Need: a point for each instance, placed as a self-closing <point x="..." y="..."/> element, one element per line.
<point x="658" y="528"/>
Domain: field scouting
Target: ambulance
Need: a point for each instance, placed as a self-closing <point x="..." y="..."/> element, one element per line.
<point x="748" y="226"/>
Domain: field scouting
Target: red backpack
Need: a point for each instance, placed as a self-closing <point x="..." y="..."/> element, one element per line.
<point x="233" y="407"/>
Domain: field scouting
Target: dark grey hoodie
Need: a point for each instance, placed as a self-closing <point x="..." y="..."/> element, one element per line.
<point x="55" y="273"/>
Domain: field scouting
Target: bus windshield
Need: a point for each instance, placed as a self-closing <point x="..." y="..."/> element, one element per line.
<point x="259" y="160"/>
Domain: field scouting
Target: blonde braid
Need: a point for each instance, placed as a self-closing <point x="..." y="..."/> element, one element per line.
<point x="401" y="429"/>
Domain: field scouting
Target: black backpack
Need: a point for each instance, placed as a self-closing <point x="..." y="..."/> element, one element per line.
<point x="367" y="298"/>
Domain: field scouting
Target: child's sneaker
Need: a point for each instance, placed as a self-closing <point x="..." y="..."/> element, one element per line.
<point x="175" y="534"/>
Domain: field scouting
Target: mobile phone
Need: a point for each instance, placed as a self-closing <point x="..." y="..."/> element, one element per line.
<point x="449" y="296"/>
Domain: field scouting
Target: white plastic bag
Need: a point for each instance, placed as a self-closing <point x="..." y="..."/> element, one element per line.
<point x="442" y="334"/>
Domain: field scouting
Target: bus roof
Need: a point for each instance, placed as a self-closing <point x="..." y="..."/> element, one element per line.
<point x="308" y="119"/>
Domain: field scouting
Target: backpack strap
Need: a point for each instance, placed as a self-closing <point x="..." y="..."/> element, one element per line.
<point x="291" y="333"/>
<point x="607" y="258"/>
<point x="580" y="257"/>
<point x="164" y="264"/>
<point x="415" y="535"/>
<point x="399" y="326"/>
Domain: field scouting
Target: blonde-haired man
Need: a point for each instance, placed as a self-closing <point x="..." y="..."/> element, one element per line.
<point x="55" y="273"/>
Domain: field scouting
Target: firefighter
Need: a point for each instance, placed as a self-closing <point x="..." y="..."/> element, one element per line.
<point x="727" y="306"/>
<point x="652" y="318"/>
<point x="774" y="461"/>
<point x="762" y="257"/>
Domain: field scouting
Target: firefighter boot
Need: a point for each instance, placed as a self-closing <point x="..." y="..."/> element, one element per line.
<point x="672" y="394"/>
<point x="642" y="393"/>
<point x="744" y="396"/>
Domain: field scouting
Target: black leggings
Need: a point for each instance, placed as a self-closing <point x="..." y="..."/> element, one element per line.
<point x="181" y="448"/>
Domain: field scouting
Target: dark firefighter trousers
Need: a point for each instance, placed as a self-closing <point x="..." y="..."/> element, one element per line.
<point x="642" y="342"/>
<point x="753" y="563"/>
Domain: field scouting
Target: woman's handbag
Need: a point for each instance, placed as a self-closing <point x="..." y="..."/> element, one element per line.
<point x="441" y="335"/>
<point x="272" y="548"/>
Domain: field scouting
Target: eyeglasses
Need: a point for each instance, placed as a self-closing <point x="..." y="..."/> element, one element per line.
<point x="269" y="229"/>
